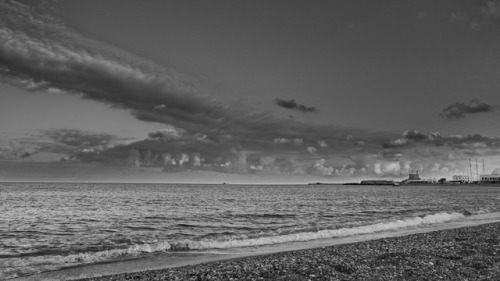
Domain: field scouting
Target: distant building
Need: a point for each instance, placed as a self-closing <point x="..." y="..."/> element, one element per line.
<point x="494" y="177"/>
<point x="414" y="178"/>
<point x="460" y="179"/>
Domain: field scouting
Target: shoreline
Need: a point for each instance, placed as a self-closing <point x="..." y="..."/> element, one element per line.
<point x="287" y="259"/>
<point x="453" y="254"/>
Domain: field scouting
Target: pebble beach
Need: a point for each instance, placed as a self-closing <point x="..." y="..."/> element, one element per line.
<point x="469" y="253"/>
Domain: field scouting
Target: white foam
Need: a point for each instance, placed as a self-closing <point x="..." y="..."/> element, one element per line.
<point x="31" y="265"/>
<point x="322" y="234"/>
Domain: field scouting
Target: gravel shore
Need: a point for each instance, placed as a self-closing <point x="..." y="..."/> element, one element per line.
<point x="470" y="253"/>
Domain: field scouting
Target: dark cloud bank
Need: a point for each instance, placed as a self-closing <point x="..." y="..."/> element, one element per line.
<point x="472" y="144"/>
<point x="38" y="53"/>
<point x="459" y="110"/>
<point x="292" y="104"/>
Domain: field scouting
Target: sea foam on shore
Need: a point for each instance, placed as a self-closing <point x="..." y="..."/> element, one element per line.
<point x="51" y="262"/>
<point x="117" y="228"/>
<point x="467" y="248"/>
<point x="469" y="253"/>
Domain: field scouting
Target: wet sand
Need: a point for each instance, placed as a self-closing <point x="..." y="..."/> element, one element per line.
<point x="469" y="253"/>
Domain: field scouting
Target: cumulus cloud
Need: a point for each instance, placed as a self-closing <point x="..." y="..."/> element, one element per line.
<point x="297" y="141"/>
<point x="396" y="143"/>
<point x="324" y="170"/>
<point x="256" y="167"/>
<point x="387" y="168"/>
<point x="166" y="134"/>
<point x="415" y="134"/>
<point x="184" y="159"/>
<point x="311" y="149"/>
<point x="459" y="110"/>
<point x="281" y="140"/>
<point x="392" y="155"/>
<point x="345" y="171"/>
<point x="168" y="160"/>
<point x="431" y="153"/>
<point x="197" y="160"/>
<point x="322" y="144"/>
<point x="292" y="104"/>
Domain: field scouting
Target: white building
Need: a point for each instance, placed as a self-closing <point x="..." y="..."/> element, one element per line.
<point x="494" y="177"/>
<point x="460" y="178"/>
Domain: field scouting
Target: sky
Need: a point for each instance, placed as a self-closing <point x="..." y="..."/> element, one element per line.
<point x="248" y="91"/>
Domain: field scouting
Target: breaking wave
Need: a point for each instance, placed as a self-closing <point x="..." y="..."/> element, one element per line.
<point x="30" y="265"/>
<point x="322" y="234"/>
<point x="43" y="263"/>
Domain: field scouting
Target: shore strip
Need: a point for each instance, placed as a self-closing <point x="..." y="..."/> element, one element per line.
<point x="469" y="253"/>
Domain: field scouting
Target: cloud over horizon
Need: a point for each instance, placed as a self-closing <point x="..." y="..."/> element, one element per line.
<point x="293" y="105"/>
<point x="40" y="54"/>
<point x="70" y="63"/>
<point x="459" y="110"/>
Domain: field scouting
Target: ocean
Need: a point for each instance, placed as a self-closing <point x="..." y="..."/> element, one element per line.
<point x="50" y="226"/>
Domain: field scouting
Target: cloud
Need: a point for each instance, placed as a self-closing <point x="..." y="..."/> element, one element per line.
<point x="166" y="134"/>
<point x="390" y="155"/>
<point x="431" y="153"/>
<point x="297" y="141"/>
<point x="311" y="149"/>
<point x="459" y="110"/>
<point x="324" y="170"/>
<point x="184" y="159"/>
<point x="80" y="139"/>
<point x="197" y="160"/>
<point x="38" y="53"/>
<point x="387" y="168"/>
<point x="415" y="137"/>
<point x="292" y="104"/>
<point x="415" y="134"/>
<point x="322" y="144"/>
<point x="396" y="143"/>
<point x="491" y="9"/>
<point x="13" y="151"/>
<point x="477" y="15"/>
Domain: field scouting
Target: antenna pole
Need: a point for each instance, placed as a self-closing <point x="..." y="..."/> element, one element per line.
<point x="470" y="169"/>
<point x="477" y="171"/>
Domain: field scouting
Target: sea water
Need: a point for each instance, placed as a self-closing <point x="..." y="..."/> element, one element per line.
<point x="49" y="226"/>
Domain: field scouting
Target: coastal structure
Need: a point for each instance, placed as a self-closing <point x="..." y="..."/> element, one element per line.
<point x="460" y="179"/>
<point x="494" y="177"/>
<point x="378" y="182"/>
<point x="414" y="178"/>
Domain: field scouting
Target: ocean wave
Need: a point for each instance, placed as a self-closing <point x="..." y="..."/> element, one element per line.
<point x="15" y="267"/>
<point x="322" y="234"/>
<point x="31" y="265"/>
